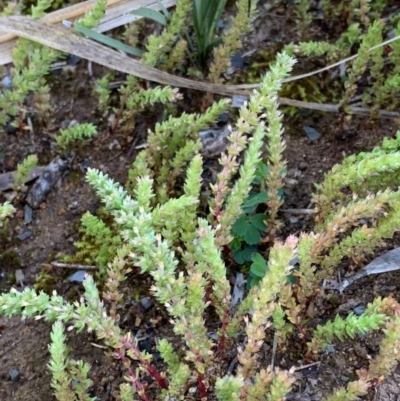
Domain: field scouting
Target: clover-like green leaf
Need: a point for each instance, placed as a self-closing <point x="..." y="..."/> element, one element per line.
<point x="255" y="198"/>
<point x="252" y="235"/>
<point x="261" y="173"/>
<point x="258" y="221"/>
<point x="244" y="255"/>
<point x="259" y="266"/>
<point x="241" y="225"/>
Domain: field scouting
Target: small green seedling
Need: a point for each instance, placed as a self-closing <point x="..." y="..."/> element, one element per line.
<point x="257" y="270"/>
<point x="248" y="229"/>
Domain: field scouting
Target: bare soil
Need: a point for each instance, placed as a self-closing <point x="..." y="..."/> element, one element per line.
<point x="23" y="344"/>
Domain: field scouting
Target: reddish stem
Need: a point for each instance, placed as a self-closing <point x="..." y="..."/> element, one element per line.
<point x="139" y="386"/>
<point x="160" y="380"/>
<point x="150" y="368"/>
<point x="223" y="337"/>
<point x="202" y="386"/>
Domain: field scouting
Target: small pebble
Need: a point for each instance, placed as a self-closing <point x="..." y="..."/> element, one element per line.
<point x="238" y="101"/>
<point x="145" y="345"/>
<point x="237" y="61"/>
<point x="311" y="370"/>
<point x="72" y="59"/>
<point x="391" y="34"/>
<point x="15" y="374"/>
<point x="28" y="214"/>
<point x="114" y="144"/>
<point x="77" y="277"/>
<point x="73" y="123"/>
<point x="267" y="5"/>
<point x="311" y="133"/>
<point x="25" y="235"/>
<point x="223" y="118"/>
<point x="359" y="310"/>
<point x="303" y="166"/>
<point x="329" y="349"/>
<point x="73" y="205"/>
<point x="360" y="351"/>
<point x="146" y="303"/>
<point x="212" y="336"/>
<point x="19" y="276"/>
<point x="7" y="82"/>
<point x="10" y="129"/>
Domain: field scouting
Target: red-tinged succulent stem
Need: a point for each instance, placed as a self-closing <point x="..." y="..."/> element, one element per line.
<point x="160" y="380"/>
<point x="139" y="386"/>
<point x="223" y="337"/>
<point x="149" y="367"/>
<point x="202" y="386"/>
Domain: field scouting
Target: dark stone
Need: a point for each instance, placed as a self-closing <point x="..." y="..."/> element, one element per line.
<point x="146" y="303"/>
<point x="145" y="345"/>
<point x="237" y="61"/>
<point x="359" y="310"/>
<point x="25" y="235"/>
<point x="28" y="214"/>
<point x="73" y="60"/>
<point x="311" y="133"/>
<point x="10" y="129"/>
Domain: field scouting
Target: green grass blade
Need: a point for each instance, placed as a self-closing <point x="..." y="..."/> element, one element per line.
<point x="116" y="44"/>
<point x="211" y="46"/>
<point x="151" y="14"/>
<point x="206" y="14"/>
<point x="215" y="16"/>
<point x="163" y="9"/>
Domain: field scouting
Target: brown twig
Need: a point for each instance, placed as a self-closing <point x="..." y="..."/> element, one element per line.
<point x="62" y="39"/>
<point x="74" y="266"/>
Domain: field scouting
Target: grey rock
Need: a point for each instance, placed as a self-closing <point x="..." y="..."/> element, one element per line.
<point x="77" y="277"/>
<point x="28" y="214"/>
<point x="25" y="235"/>
<point x="19" y="276"/>
<point x="15" y="374"/>
<point x="359" y="310"/>
<point x="146" y="303"/>
<point x="311" y="133"/>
